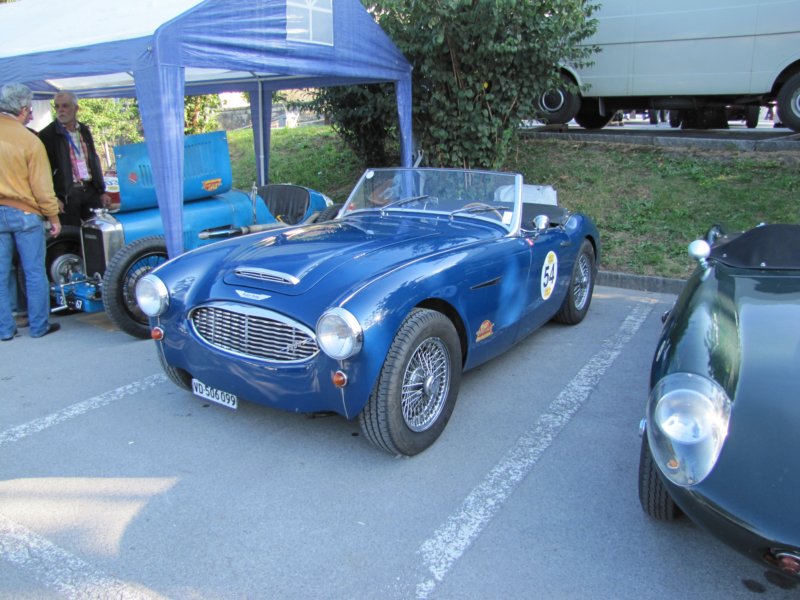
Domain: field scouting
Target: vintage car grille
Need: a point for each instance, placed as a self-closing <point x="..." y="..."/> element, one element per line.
<point x="254" y="333"/>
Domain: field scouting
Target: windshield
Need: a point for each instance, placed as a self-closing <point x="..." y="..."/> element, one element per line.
<point x="461" y="193"/>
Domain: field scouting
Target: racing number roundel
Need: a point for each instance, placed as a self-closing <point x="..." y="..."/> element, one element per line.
<point x="549" y="273"/>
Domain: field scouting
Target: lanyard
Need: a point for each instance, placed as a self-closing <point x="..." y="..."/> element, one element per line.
<point x="78" y="149"/>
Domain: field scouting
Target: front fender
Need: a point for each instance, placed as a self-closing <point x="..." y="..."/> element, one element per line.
<point x="470" y="285"/>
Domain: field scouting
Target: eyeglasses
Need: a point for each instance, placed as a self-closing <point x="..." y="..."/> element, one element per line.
<point x="65" y="105"/>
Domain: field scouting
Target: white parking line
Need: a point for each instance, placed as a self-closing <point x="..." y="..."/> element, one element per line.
<point x="452" y="538"/>
<point x="56" y="568"/>
<point x="21" y="431"/>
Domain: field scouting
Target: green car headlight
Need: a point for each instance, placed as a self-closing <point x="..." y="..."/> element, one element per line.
<point x="339" y="334"/>
<point x="687" y="417"/>
<point x="152" y="295"/>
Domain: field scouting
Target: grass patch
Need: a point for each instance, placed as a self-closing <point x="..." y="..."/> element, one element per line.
<point x="648" y="203"/>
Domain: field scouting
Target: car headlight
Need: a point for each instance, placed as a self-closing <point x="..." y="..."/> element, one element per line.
<point x="152" y="295"/>
<point x="339" y="334"/>
<point x="687" y="418"/>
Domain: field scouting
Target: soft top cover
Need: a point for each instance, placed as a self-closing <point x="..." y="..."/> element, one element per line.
<point x="764" y="247"/>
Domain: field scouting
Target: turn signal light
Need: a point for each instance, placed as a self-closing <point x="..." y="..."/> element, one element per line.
<point x="339" y="379"/>
<point x="157" y="333"/>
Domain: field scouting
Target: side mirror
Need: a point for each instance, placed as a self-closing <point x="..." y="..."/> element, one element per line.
<point x="699" y="250"/>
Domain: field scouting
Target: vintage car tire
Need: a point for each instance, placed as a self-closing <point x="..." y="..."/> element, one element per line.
<point x="581" y="286"/>
<point x="329" y="213"/>
<point x="653" y="496"/>
<point x="177" y="376"/>
<point x="789" y="103"/>
<point x="119" y="283"/>
<point x="424" y="334"/>
<point x="62" y="249"/>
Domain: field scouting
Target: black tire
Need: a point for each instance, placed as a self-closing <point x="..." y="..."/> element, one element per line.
<point x="581" y="286"/>
<point x="129" y="265"/>
<point x="177" y="376"/>
<point x="559" y="105"/>
<point x="653" y="495"/>
<point x="329" y="213"/>
<point x="751" y="116"/>
<point x="66" y="245"/>
<point x="789" y="103"/>
<point x="410" y="425"/>
<point x="589" y="116"/>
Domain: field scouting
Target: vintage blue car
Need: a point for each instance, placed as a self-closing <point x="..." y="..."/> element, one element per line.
<point x="723" y="416"/>
<point x="423" y="274"/>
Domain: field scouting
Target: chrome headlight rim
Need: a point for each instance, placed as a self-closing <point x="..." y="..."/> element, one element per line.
<point x="688" y="417"/>
<point x="152" y="295"/>
<point x="339" y="334"/>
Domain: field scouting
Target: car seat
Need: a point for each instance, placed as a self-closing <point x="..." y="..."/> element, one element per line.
<point x="287" y="203"/>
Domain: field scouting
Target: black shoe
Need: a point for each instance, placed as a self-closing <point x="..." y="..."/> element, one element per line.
<point x="52" y="328"/>
<point x="13" y="335"/>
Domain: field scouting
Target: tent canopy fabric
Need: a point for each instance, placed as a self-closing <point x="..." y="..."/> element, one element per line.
<point x="162" y="51"/>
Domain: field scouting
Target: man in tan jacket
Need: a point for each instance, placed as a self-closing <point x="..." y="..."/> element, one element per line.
<point x="26" y="200"/>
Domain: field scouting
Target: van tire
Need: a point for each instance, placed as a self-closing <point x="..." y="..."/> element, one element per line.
<point x="559" y="105"/>
<point x="789" y="103"/>
<point x="589" y="116"/>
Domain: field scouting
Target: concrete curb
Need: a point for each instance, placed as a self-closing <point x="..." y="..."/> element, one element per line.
<point x="643" y="283"/>
<point x="669" y="140"/>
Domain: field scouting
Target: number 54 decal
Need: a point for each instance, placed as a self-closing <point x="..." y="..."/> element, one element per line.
<point x="549" y="274"/>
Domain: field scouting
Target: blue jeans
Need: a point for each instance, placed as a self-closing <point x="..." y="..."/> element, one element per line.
<point x="26" y="231"/>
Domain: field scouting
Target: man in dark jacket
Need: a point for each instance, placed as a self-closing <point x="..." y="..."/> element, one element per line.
<point x="77" y="174"/>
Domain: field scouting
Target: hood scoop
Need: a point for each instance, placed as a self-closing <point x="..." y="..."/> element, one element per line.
<point x="266" y="275"/>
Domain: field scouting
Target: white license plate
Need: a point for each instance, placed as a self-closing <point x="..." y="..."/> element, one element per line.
<point x="213" y="394"/>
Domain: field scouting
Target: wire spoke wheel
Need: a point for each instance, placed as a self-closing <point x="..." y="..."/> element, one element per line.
<point x="426" y="383"/>
<point x="417" y="387"/>
<point x="582" y="283"/>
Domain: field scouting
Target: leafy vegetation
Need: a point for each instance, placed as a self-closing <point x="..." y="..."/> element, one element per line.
<point x="479" y="68"/>
<point x="648" y="203"/>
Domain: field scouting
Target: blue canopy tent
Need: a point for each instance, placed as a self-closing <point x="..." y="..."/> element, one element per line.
<point x="162" y="51"/>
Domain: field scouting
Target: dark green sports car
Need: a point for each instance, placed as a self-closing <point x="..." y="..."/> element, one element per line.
<point x="722" y="428"/>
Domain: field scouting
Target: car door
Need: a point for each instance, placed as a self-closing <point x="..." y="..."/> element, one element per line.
<point x="552" y="258"/>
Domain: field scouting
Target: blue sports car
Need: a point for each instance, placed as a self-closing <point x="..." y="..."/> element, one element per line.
<point x="424" y="273"/>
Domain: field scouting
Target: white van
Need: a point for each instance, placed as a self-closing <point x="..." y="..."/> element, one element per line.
<point x="697" y="57"/>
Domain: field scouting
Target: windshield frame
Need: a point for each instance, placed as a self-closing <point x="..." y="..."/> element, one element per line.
<point x="381" y="190"/>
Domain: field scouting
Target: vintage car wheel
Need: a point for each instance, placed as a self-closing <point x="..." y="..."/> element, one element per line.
<point x="581" y="286"/>
<point x="653" y="496"/>
<point x="329" y="213"/>
<point x="789" y="103"/>
<point x="129" y="265"/>
<point x="177" y="376"/>
<point x="417" y="386"/>
<point x="62" y="258"/>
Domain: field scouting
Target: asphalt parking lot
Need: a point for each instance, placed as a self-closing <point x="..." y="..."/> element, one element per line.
<point x="116" y="484"/>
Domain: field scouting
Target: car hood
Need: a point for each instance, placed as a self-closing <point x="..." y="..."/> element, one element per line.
<point x="755" y="480"/>
<point x="295" y="260"/>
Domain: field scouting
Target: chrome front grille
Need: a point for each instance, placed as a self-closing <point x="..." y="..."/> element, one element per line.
<point x="254" y="333"/>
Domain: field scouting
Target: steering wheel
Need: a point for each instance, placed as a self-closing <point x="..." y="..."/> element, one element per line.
<point x="484" y="207"/>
